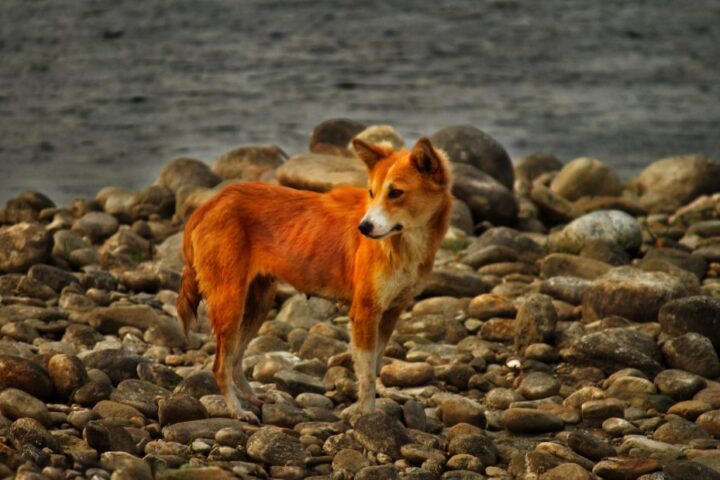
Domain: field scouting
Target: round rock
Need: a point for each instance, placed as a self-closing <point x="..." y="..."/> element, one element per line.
<point x="249" y="162"/>
<point x="467" y="144"/>
<point x="612" y="226"/>
<point x="586" y="177"/>
<point x="184" y="172"/>
<point x="23" y="245"/>
<point x="527" y="420"/>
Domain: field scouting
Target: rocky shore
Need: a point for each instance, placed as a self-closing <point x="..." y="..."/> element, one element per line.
<point x="570" y="331"/>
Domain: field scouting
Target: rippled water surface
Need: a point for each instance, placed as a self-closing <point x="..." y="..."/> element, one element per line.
<point x="101" y="92"/>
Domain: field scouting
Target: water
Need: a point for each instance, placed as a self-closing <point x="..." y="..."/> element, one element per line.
<point x="101" y="92"/>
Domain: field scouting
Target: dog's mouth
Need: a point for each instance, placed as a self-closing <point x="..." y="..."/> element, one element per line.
<point x="396" y="229"/>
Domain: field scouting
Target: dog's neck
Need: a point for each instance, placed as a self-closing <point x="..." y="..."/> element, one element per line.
<point x="418" y="245"/>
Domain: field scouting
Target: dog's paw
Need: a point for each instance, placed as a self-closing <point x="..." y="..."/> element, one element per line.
<point x="246" y="416"/>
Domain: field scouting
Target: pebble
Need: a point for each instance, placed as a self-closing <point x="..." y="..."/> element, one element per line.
<point x="527" y="420"/>
<point x="406" y="374"/>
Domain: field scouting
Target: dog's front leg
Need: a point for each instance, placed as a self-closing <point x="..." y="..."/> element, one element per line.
<point x="365" y="319"/>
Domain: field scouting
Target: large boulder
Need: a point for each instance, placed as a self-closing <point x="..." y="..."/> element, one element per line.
<point x="320" y="173"/>
<point x="23" y="245"/>
<point x="487" y="198"/>
<point x="682" y="178"/>
<point x="586" y="177"/>
<point x="249" y="163"/>
<point x="611" y="226"/>
<point x="466" y="144"/>
<point x="183" y="172"/>
<point x="633" y="294"/>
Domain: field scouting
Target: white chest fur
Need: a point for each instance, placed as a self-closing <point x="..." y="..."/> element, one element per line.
<point x="405" y="281"/>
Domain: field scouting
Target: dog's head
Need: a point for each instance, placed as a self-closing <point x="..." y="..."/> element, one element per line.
<point x="406" y="188"/>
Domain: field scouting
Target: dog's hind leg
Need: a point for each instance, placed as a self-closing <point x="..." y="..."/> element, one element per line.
<point x="226" y="311"/>
<point x="260" y="297"/>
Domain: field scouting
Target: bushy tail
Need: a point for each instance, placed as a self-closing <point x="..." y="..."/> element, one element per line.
<point x="188" y="298"/>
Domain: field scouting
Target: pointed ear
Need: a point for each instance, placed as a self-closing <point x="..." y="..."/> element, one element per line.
<point x="427" y="160"/>
<point x="369" y="154"/>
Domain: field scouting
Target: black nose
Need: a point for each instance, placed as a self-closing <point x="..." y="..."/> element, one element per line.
<point x="365" y="227"/>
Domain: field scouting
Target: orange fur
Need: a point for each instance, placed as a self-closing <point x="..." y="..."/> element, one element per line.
<point x="252" y="233"/>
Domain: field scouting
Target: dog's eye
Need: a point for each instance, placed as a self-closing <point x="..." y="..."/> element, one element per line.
<point x="371" y="194"/>
<point x="395" y="193"/>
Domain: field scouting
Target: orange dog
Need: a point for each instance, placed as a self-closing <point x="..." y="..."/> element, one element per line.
<point x="370" y="248"/>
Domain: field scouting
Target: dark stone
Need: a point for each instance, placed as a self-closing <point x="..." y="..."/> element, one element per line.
<point x="106" y="436"/>
<point x="697" y="314"/>
<point x="275" y="448"/>
<point x="198" y="385"/>
<point x="55" y="278"/>
<point x="535" y="321"/>
<point x="28" y="431"/>
<point x="184" y="172"/>
<point x="381" y="433"/>
<point x="687" y="469"/>
<point x="141" y="395"/>
<point x="17" y="372"/>
<point x="336" y="132"/>
<point x="180" y="407"/>
<point x="118" y="364"/>
<point x="527" y="249"/>
<point x="467" y="144"/>
<point x="487" y="198"/>
<point x="159" y="374"/>
<point x="615" y="348"/>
